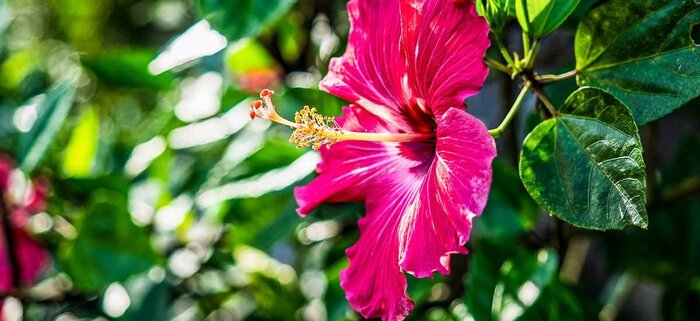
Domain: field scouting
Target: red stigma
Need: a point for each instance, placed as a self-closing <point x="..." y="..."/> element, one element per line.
<point x="252" y="114"/>
<point x="256" y="104"/>
<point x="265" y="93"/>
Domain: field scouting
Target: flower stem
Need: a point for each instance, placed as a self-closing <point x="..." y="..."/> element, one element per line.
<point x="497" y="65"/>
<point x="498" y="131"/>
<point x="6" y="222"/>
<point x="548" y="79"/>
<point x="504" y="51"/>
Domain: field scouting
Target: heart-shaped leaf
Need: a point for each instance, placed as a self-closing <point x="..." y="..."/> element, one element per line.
<point x="585" y="166"/>
<point x="642" y="52"/>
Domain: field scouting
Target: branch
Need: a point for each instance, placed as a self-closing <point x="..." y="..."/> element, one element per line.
<point x="548" y="79"/>
<point x="536" y="87"/>
<point x="687" y="187"/>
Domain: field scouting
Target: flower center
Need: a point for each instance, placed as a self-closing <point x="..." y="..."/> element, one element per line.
<point x="315" y="130"/>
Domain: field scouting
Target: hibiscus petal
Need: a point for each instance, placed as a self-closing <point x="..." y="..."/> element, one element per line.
<point x="456" y="188"/>
<point x="32" y="260"/>
<point x="444" y="42"/>
<point x="374" y="284"/>
<point x="348" y="167"/>
<point x="372" y="71"/>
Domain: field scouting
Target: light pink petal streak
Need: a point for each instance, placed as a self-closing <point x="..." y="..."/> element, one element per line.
<point x="348" y="168"/>
<point x="444" y="42"/>
<point x="372" y="72"/>
<point x="456" y="189"/>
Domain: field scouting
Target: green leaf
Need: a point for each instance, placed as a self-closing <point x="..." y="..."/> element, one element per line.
<point x="521" y="280"/>
<point x="5" y="16"/>
<point x="541" y="17"/>
<point x="52" y="109"/>
<point x="560" y="302"/>
<point x="128" y="68"/>
<point x="326" y="103"/>
<point x="291" y="38"/>
<point x="510" y="283"/>
<point x="643" y="53"/>
<point x="149" y="300"/>
<point x="80" y="153"/>
<point x="249" y="55"/>
<point x="109" y="247"/>
<point x="509" y="211"/>
<point x="481" y="281"/>
<point x="585" y="166"/>
<point x="496" y="12"/>
<point x="238" y="19"/>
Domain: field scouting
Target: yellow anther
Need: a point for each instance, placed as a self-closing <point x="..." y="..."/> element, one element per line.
<point x="314" y="130"/>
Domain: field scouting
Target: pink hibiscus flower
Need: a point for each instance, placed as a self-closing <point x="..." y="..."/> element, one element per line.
<point x="405" y="146"/>
<point x="22" y="202"/>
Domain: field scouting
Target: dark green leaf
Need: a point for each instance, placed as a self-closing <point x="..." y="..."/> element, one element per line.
<point x="238" y="19"/>
<point x="541" y="17"/>
<point x="250" y="217"/>
<point x="52" y="109"/>
<point x="585" y="166"/>
<point x="109" y="247"/>
<point x="560" y="302"/>
<point x="513" y="284"/>
<point x="149" y="300"/>
<point x="481" y="281"/>
<point x="509" y="211"/>
<point x="643" y="53"/>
